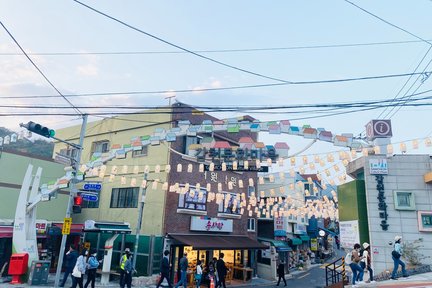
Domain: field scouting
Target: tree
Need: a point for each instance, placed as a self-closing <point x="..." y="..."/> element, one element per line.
<point x="411" y="252"/>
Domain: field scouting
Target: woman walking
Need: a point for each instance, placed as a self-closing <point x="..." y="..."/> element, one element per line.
<point x="92" y="265"/>
<point x="80" y="269"/>
<point x="281" y="273"/>
<point x="354" y="265"/>
<point x="365" y="263"/>
<point x="198" y="275"/>
<point x="396" y="254"/>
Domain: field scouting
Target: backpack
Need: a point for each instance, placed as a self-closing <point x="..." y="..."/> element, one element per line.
<point x="348" y="258"/>
<point x="93" y="263"/>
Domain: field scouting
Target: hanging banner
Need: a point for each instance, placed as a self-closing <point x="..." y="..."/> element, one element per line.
<point x="349" y="233"/>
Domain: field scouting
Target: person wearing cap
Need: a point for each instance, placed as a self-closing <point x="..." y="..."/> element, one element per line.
<point x="397" y="261"/>
<point x="365" y="263"/>
<point x="123" y="260"/>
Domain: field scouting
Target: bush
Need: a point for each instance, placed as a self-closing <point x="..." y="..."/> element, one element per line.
<point x="412" y="252"/>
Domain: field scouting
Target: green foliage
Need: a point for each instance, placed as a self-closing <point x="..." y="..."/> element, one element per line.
<point x="40" y="148"/>
<point x="412" y="252"/>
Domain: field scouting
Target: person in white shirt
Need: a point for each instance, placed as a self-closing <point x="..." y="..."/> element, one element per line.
<point x="365" y="263"/>
<point x="198" y="275"/>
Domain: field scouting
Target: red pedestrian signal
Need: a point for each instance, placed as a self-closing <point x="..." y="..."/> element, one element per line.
<point x="76" y="208"/>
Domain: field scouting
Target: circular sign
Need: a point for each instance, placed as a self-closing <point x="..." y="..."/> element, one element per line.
<point x="382" y="128"/>
<point x="369" y="130"/>
<point x="321" y="233"/>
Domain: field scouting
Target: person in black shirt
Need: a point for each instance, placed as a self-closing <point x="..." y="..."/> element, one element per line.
<point x="165" y="269"/>
<point x="281" y="273"/>
<point x="221" y="271"/>
<point x="71" y="258"/>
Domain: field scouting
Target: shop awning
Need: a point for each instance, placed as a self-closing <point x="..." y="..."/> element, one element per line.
<point x="296" y="241"/>
<point x="304" y="238"/>
<point x="207" y="242"/>
<point x="281" y="246"/>
<point x="6" y="231"/>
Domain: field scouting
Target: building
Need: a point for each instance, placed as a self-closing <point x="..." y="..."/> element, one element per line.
<point x="389" y="196"/>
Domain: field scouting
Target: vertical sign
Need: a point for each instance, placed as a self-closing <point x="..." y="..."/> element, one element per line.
<point x="66" y="226"/>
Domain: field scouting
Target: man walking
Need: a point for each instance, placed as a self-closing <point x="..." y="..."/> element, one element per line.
<point x="183" y="271"/>
<point x="221" y="270"/>
<point x="71" y="258"/>
<point x="281" y="273"/>
<point x="165" y="269"/>
<point x="123" y="260"/>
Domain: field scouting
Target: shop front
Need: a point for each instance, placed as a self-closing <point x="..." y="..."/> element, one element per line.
<point x="238" y="250"/>
<point x="268" y="259"/>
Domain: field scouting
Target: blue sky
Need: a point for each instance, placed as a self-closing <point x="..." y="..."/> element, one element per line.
<point x="65" y="26"/>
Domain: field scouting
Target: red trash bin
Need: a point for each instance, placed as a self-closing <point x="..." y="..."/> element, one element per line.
<point x="18" y="266"/>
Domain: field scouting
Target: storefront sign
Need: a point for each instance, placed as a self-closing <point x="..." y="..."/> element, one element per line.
<point x="202" y="223"/>
<point x="299" y="229"/>
<point x="314" y="244"/>
<point x="349" y="233"/>
<point x="279" y="227"/>
<point x="378" y="166"/>
<point x="41" y="226"/>
<point x="92" y="186"/>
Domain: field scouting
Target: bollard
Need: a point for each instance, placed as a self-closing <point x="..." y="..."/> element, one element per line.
<point x="345" y="281"/>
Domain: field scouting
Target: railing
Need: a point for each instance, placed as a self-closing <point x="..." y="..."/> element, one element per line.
<point x="335" y="272"/>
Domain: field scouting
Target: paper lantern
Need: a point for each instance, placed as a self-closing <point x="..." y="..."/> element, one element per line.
<point x="415" y="144"/>
<point x="319" y="177"/>
<point x="292" y="173"/>
<point x="219" y="187"/>
<point x="111" y="178"/>
<point x="312" y="166"/>
<point x="281" y="162"/>
<point x="235" y="165"/>
<point x="336" y="168"/>
<point x="171" y="188"/>
<point x="187" y="186"/>
<point x="125" y="169"/>
<point x="240" y="183"/>
<point x="345" y="162"/>
<point x="198" y="186"/>
<point x="114" y="170"/>
<point x="224" y="166"/>
<point x="302" y="170"/>
<point x="389" y="149"/>
<point x="353" y="154"/>
<point x="403" y="147"/>
<point x="282" y="189"/>
<point x="365" y="152"/>
<point x="250" y="213"/>
<point x="377" y="149"/>
<point x="230" y="185"/>
<point x="208" y="188"/>
<point x="261" y="180"/>
<point x="428" y="142"/>
<point x="272" y="192"/>
<point x="201" y="168"/>
<point x="179" y="167"/>
<point x="293" y="161"/>
<point x="330" y="157"/>
<point x="309" y="179"/>
<point x="269" y="162"/>
<point x="133" y="182"/>
<point x="144" y="184"/>
<point x="211" y="167"/>
<point x="327" y="172"/>
<point x="102" y="174"/>
<point x="316" y="159"/>
<point x="258" y="163"/>
<point x="157" y="168"/>
<point x="322" y="163"/>
<point x="305" y="160"/>
<point x="167" y="168"/>
<point x="271" y="178"/>
<point x="246" y="164"/>
<point x="189" y="168"/>
<point x="251" y="182"/>
<point x="282" y="175"/>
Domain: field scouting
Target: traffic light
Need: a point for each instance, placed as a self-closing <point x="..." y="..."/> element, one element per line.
<point x="76" y="208"/>
<point x="39" y="129"/>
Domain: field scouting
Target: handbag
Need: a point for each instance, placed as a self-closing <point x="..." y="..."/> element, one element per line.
<point x="76" y="273"/>
<point x="396" y="254"/>
<point x="198" y="276"/>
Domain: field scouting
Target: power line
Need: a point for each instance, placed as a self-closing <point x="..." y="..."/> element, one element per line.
<point x="310" y="82"/>
<point x="218" y="50"/>
<point x="180" y="47"/>
<point x="37" y="68"/>
<point x="387" y="22"/>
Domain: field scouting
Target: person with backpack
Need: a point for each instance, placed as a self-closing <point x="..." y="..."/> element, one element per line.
<point x="353" y="258"/>
<point x="365" y="263"/>
<point x="92" y="265"/>
<point x="396" y="255"/>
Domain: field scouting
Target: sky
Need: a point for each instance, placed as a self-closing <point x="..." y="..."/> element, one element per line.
<point x="44" y="28"/>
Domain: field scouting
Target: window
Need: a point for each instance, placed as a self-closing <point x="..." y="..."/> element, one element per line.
<point x="230" y="204"/>
<point x="193" y="200"/>
<point x="250" y="190"/>
<point x="425" y="221"/>
<point x="140" y="153"/>
<point x="404" y="200"/>
<point x="264" y="254"/>
<point x="100" y="147"/>
<point x="124" y="197"/>
<point x="251" y="224"/>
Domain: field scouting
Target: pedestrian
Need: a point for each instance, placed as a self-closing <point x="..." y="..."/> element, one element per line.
<point x="222" y="271"/>
<point x="92" y="265"/>
<point x="128" y="268"/>
<point x="337" y="242"/>
<point x="365" y="263"/>
<point x="71" y="258"/>
<point x="183" y="271"/>
<point x="211" y="270"/>
<point x="198" y="274"/>
<point x="122" y="266"/>
<point x="354" y="265"/>
<point x="281" y="273"/>
<point x="80" y="269"/>
<point x="396" y="255"/>
<point x="165" y="269"/>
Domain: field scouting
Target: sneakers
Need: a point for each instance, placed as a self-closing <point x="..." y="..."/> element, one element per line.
<point x="393" y="278"/>
<point x="373" y="281"/>
<point x="405" y="276"/>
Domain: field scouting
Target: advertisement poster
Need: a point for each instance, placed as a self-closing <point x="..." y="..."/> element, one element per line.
<point x="349" y="233"/>
<point x="314" y="244"/>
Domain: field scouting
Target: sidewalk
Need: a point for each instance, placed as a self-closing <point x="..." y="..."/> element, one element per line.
<point x="419" y="280"/>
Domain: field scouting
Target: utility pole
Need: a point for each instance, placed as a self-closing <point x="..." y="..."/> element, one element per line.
<point x="142" y="192"/>
<point x="72" y="193"/>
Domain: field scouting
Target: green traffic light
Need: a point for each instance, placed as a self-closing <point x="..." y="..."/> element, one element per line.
<point x="51" y="133"/>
